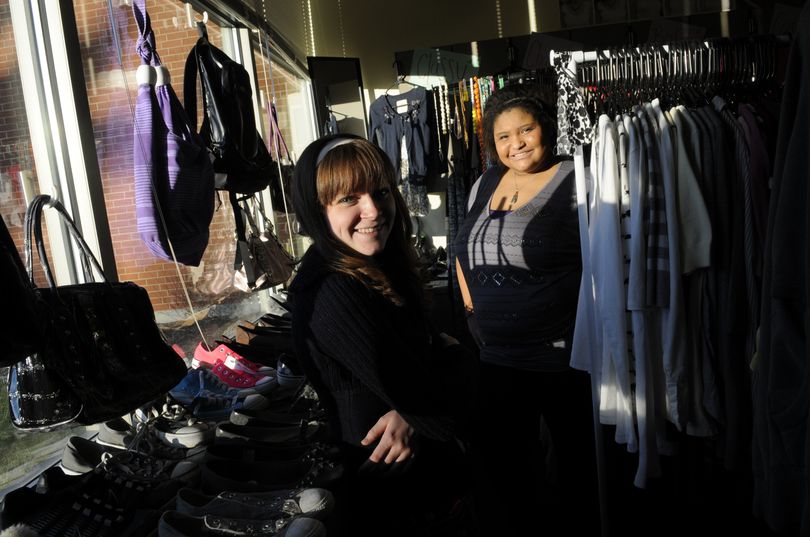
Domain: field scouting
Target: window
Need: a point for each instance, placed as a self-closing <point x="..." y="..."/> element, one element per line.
<point x="40" y="138"/>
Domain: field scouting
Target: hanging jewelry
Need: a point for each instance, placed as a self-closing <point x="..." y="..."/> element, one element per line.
<point x="464" y="96"/>
<point x="436" y="112"/>
<point x="443" y="103"/>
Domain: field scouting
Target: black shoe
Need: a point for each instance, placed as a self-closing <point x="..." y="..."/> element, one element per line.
<point x="268" y="319"/>
<point x="221" y="475"/>
<point x="311" y="502"/>
<point x="244" y="451"/>
<point x="283" y="303"/>
<point x="81" y="455"/>
<point x="304" y="433"/>
<point x="247" y="416"/>
<point x="175" y="524"/>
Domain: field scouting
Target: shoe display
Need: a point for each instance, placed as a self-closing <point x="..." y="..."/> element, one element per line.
<point x="311" y="502"/>
<point x="176" y="524"/>
<point x="234" y="448"/>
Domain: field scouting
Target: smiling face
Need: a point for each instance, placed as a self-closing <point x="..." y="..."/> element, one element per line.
<point x="362" y="220"/>
<point x="518" y="140"/>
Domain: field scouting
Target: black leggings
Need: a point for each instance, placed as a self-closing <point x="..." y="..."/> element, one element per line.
<point x="401" y="500"/>
<point x="517" y="484"/>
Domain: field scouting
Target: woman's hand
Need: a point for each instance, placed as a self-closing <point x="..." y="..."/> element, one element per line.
<point x="394" y="434"/>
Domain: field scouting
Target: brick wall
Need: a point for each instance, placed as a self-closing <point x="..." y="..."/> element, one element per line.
<point x="15" y="152"/>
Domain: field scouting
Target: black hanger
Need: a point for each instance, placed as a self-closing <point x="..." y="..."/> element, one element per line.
<point x="401" y="79"/>
<point x="329" y="109"/>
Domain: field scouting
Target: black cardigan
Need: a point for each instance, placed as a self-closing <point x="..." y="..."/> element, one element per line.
<point x="366" y="356"/>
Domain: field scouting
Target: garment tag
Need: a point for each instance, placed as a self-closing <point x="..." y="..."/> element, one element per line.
<point x="402" y="106"/>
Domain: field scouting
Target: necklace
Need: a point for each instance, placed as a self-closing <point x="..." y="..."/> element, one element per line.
<point x="517" y="190"/>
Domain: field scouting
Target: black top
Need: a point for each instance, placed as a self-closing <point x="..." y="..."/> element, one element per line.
<point x="523" y="271"/>
<point x="366" y="356"/>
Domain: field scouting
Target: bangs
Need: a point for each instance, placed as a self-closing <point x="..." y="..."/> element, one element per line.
<point x="353" y="167"/>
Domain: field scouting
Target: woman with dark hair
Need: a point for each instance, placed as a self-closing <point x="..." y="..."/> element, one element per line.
<point x="387" y="381"/>
<point x="518" y="265"/>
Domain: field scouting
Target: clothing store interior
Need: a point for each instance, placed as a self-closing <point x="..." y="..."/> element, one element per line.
<point x="457" y="268"/>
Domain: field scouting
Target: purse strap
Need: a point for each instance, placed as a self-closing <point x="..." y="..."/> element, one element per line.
<point x="33" y="233"/>
<point x="146" y="47"/>
<point x="190" y="76"/>
<point x="275" y="133"/>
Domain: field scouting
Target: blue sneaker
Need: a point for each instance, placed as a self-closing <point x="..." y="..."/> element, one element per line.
<point x="219" y="408"/>
<point x="286" y="378"/>
<point x="199" y="382"/>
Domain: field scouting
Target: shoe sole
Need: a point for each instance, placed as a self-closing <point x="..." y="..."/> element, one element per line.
<point x="68" y="471"/>
<point x="108" y="444"/>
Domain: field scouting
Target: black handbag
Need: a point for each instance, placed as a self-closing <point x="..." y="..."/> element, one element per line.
<point x="241" y="160"/>
<point x="100" y="339"/>
<point x="261" y="261"/>
<point x="281" y="184"/>
<point x="19" y="333"/>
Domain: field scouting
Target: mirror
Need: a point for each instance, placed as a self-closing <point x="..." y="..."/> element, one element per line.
<point x="337" y="86"/>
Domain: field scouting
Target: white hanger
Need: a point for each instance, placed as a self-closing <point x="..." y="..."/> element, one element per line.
<point x="191" y="21"/>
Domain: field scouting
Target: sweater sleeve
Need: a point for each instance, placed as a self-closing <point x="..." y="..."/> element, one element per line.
<point x="350" y="326"/>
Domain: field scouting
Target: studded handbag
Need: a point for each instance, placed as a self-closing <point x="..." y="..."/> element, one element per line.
<point x="101" y="345"/>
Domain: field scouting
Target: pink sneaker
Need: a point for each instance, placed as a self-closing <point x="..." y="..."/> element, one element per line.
<point x="245" y="382"/>
<point x="229" y="357"/>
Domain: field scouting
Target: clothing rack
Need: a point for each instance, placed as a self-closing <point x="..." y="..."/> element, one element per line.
<point x="738" y="57"/>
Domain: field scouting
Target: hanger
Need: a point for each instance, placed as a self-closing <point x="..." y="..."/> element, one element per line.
<point x="401" y="79"/>
<point x="334" y="113"/>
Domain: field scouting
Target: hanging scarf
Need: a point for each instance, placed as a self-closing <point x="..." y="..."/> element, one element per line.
<point x="573" y="123"/>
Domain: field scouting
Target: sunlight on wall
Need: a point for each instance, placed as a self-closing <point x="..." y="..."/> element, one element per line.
<point x="532" y="16"/>
<point x="498" y="17"/>
<point x="311" y="29"/>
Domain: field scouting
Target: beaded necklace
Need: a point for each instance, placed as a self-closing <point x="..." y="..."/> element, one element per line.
<point x="464" y="96"/>
<point x="436" y="112"/>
